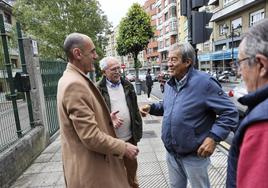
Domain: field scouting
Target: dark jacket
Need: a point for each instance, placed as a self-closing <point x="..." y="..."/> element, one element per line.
<point x="257" y="103"/>
<point x="131" y="98"/>
<point x="149" y="80"/>
<point x="190" y="114"/>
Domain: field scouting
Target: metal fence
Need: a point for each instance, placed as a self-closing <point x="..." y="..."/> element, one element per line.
<point x="51" y="72"/>
<point x="14" y="108"/>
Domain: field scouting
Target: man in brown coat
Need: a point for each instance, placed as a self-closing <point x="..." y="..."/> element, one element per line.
<point x="92" y="156"/>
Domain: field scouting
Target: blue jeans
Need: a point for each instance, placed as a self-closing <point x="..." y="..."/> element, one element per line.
<point x="192" y="168"/>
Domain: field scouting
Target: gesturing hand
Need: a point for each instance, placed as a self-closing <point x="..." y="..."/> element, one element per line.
<point x="117" y="122"/>
<point x="144" y="110"/>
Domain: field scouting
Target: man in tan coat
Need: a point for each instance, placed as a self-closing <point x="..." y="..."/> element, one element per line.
<point x="92" y="156"/>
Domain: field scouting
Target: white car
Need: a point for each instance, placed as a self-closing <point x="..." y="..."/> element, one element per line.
<point x="237" y="92"/>
<point x="130" y="77"/>
<point x="142" y="77"/>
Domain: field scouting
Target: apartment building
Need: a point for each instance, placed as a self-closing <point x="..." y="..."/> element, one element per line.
<point x="151" y="53"/>
<point x="182" y="25"/>
<point x="231" y="19"/>
<point x="9" y="23"/>
<point x="166" y="25"/>
<point x="110" y="50"/>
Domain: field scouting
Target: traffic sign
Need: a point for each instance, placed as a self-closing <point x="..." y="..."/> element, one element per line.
<point x="123" y="66"/>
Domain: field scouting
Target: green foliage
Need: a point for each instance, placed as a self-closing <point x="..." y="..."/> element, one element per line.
<point x="135" y="31"/>
<point x="51" y="21"/>
<point x="12" y="43"/>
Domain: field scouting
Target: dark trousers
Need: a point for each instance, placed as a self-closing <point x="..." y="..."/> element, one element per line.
<point x="149" y="89"/>
<point x="131" y="168"/>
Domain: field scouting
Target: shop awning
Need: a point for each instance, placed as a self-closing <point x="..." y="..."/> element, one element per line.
<point x="218" y="55"/>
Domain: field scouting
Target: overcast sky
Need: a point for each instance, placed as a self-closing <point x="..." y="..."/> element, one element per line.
<point x="116" y="9"/>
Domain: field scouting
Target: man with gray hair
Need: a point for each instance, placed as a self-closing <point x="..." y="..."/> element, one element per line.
<point x="120" y="96"/>
<point x="197" y="114"/>
<point x="247" y="161"/>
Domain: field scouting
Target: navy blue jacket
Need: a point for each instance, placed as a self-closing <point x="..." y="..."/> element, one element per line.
<point x="257" y="103"/>
<point x="199" y="109"/>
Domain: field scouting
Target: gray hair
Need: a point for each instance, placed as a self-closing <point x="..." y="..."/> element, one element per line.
<point x="256" y="40"/>
<point x="73" y="40"/>
<point x="185" y="50"/>
<point x="104" y="62"/>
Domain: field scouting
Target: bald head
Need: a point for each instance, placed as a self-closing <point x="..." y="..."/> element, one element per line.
<point x="74" y="40"/>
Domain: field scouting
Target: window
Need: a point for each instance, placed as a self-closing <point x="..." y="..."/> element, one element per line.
<point x="256" y="17"/>
<point x="166" y="16"/>
<point x="161" y="32"/>
<point x="151" y="6"/>
<point x="166" y="3"/>
<point x="160" y="20"/>
<point x="7" y="18"/>
<point x="173" y="26"/>
<point x="225" y="2"/>
<point x="161" y="44"/>
<point x="235" y="23"/>
<point x="173" y="12"/>
<point x="221" y="30"/>
<point x="167" y="29"/>
<point x="159" y="8"/>
<point x="167" y="43"/>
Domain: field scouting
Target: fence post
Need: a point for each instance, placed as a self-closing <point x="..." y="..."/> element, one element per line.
<point x="24" y="70"/>
<point x="37" y="91"/>
<point x="10" y="76"/>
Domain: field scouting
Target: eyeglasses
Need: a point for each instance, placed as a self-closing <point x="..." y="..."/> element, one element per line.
<point x="240" y="61"/>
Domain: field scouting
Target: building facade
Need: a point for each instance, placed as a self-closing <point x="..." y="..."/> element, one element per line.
<point x="166" y="25"/>
<point x="110" y="50"/>
<point x="231" y="18"/>
<point x="151" y="53"/>
<point x="9" y="23"/>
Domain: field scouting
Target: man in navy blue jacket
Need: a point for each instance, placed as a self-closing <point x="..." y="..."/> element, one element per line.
<point x="196" y="115"/>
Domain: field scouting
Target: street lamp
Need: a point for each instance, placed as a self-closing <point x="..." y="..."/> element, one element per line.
<point x="235" y="32"/>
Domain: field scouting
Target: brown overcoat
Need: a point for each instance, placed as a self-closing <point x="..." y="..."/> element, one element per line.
<point x="92" y="156"/>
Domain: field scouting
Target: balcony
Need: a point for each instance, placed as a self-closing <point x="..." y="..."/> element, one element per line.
<point x="233" y="9"/>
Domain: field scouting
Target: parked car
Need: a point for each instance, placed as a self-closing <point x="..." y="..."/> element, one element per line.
<point x="162" y="78"/>
<point x="142" y="77"/>
<point x="130" y="77"/>
<point x="225" y="76"/>
<point x="237" y="92"/>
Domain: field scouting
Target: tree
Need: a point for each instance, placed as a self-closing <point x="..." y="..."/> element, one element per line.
<point x="135" y="31"/>
<point x="51" y="21"/>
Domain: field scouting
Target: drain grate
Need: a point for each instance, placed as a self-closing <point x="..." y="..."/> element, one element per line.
<point x="149" y="134"/>
<point x="151" y="121"/>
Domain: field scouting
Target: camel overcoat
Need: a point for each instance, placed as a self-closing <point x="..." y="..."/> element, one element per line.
<point x="92" y="156"/>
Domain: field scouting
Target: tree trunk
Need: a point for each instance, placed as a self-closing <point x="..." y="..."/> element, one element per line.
<point x="136" y="66"/>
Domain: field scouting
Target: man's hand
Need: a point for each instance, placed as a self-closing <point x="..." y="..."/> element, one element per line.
<point x="117" y="122"/>
<point x="144" y="110"/>
<point x="131" y="151"/>
<point x="207" y="147"/>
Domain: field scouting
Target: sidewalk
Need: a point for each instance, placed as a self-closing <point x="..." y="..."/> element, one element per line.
<point x="46" y="170"/>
